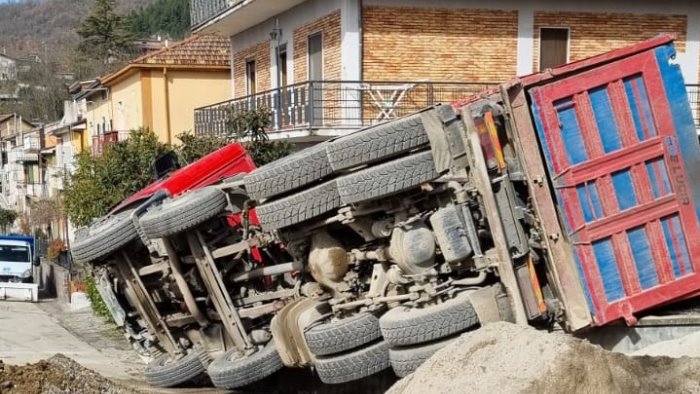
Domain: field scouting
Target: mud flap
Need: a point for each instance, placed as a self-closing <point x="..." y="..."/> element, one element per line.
<point x="288" y="330"/>
<point x="486" y="305"/>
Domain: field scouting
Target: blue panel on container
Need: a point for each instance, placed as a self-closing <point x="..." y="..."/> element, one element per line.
<point x="677" y="98"/>
<point x="634" y="110"/>
<point x="607" y="265"/>
<point x="571" y="132"/>
<point x="595" y="200"/>
<point x="685" y="260"/>
<point x="541" y="135"/>
<point x="648" y="119"/>
<point x="586" y="208"/>
<point x="624" y="189"/>
<point x="584" y="283"/>
<point x="670" y="245"/>
<point x="567" y="224"/>
<point x="605" y="119"/>
<point x="643" y="260"/>
<point x="590" y="202"/>
<point x="639" y="107"/>
<point x="658" y="177"/>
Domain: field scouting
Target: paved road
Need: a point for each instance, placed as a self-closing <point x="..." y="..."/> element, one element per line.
<point x="32" y="332"/>
<point x="28" y="334"/>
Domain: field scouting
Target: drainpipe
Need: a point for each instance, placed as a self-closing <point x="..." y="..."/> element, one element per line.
<point x="167" y="105"/>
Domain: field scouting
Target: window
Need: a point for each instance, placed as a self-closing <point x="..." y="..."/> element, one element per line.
<point x="554" y="47"/>
<point x="14" y="254"/>
<point x="315" y="49"/>
<point x="282" y="64"/>
<point x="250" y="77"/>
<point x="31" y="174"/>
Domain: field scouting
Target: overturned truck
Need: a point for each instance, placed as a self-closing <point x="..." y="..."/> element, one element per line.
<point x="565" y="197"/>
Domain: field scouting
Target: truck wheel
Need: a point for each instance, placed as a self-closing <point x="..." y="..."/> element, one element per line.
<point x="288" y="173"/>
<point x="405" y="360"/>
<point x="183" y="212"/>
<point x="378" y="142"/>
<point x="299" y="207"/>
<point x="404" y="326"/>
<point x="355" y="365"/>
<point x="231" y="371"/>
<point x="340" y="335"/>
<point x="164" y="371"/>
<point x="103" y="237"/>
<point x="387" y="178"/>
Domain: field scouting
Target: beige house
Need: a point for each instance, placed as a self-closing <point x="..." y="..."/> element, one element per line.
<point x="161" y="90"/>
<point x="327" y="66"/>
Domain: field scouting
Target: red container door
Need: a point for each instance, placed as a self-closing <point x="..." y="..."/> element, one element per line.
<point x="612" y="149"/>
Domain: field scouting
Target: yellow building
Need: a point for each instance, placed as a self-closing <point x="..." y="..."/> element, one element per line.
<point x="161" y="90"/>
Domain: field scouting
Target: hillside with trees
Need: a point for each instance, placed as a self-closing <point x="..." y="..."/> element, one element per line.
<point x="78" y="38"/>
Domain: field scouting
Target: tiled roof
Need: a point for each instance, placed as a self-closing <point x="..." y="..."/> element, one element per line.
<point x="196" y="50"/>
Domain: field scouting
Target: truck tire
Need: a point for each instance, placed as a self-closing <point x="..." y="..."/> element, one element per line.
<point x="103" y="237"/>
<point x="405" y="360"/>
<point x="387" y="178"/>
<point x="230" y="371"/>
<point x="340" y="335"/>
<point x="288" y="173"/>
<point x="299" y="207"/>
<point x="183" y="212"/>
<point x="377" y="143"/>
<point x="403" y="326"/>
<point x="166" y="372"/>
<point x="354" y="365"/>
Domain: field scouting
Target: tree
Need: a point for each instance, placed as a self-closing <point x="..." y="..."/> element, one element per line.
<point x="104" y="32"/>
<point x="250" y="127"/>
<point x="193" y="147"/>
<point x="7" y="218"/>
<point x="99" y="182"/>
<point x="169" y="18"/>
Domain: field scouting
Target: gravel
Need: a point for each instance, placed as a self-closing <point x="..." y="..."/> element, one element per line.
<point x="58" y="374"/>
<point x="503" y="357"/>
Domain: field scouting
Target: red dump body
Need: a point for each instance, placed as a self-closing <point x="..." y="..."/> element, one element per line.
<point x="621" y="151"/>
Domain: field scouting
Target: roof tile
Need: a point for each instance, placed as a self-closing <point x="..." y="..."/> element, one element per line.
<point x="205" y="50"/>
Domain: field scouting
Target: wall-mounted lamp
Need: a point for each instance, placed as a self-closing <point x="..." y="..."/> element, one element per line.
<point x="275" y="34"/>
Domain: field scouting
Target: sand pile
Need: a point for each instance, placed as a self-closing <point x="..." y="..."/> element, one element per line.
<point x="505" y="358"/>
<point x="58" y="374"/>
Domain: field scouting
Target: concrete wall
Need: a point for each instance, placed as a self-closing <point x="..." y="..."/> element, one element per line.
<point x="54" y="281"/>
<point x="99" y="116"/>
<point x="125" y="98"/>
<point x="459" y="40"/>
<point x="187" y="90"/>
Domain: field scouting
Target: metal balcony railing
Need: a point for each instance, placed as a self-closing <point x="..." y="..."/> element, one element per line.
<point x="347" y="105"/>
<point x="102" y="141"/>
<point x="203" y="10"/>
<point x="334" y="105"/>
<point x="694" y="99"/>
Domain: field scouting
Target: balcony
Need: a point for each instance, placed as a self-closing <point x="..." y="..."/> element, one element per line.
<point x="102" y="141"/>
<point x="694" y="99"/>
<point x="328" y="108"/>
<point x="21" y="155"/>
<point x="203" y="10"/>
<point x="230" y="17"/>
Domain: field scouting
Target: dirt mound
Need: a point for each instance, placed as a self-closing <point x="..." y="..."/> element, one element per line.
<point x="58" y="374"/>
<point x="503" y="357"/>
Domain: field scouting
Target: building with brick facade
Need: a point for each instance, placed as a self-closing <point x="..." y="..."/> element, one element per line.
<point x="325" y="66"/>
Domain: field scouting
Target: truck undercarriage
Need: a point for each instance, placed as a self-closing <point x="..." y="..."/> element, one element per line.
<point x="364" y="252"/>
